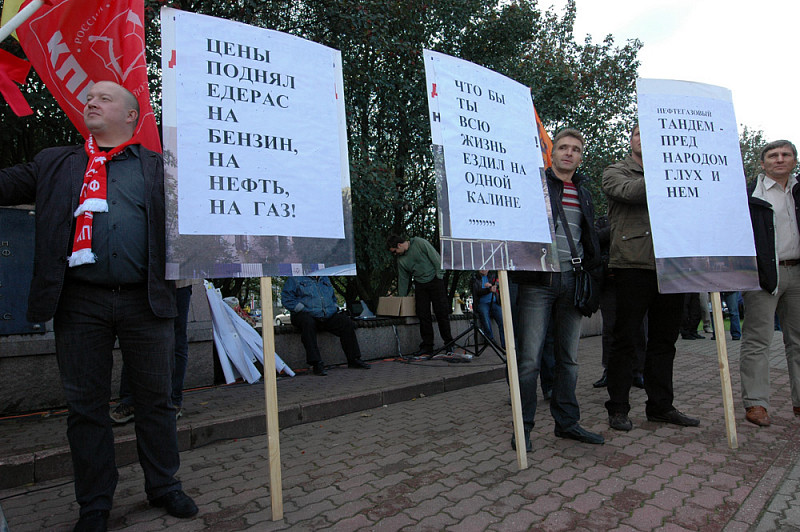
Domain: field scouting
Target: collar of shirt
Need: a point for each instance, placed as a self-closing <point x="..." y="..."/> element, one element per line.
<point x="770" y="183"/>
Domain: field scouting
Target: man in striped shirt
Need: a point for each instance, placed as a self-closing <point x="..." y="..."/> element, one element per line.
<point x="544" y="296"/>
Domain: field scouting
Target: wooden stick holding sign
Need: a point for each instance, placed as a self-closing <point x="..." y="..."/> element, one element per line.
<point x="271" y="401"/>
<point x="724" y="370"/>
<point x="513" y="374"/>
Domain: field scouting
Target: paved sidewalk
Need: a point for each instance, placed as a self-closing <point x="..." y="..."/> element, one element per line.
<point x="443" y="461"/>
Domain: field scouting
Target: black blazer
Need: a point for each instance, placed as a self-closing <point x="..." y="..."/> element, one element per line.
<point x="53" y="182"/>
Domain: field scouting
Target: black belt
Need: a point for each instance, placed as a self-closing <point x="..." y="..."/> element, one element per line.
<point x="790" y="262"/>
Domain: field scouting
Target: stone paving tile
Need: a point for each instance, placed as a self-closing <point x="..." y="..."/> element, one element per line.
<point x="647" y="517"/>
<point x="444" y="463"/>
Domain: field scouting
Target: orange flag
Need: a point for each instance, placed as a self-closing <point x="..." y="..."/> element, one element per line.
<point x="545" y="143"/>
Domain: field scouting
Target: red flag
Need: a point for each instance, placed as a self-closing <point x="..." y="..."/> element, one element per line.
<point x="545" y="143"/>
<point x="73" y="44"/>
<point x="12" y="68"/>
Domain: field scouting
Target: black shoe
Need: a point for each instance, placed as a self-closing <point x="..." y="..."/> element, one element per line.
<point x="676" y="417"/>
<point x="638" y="380"/>
<point x="602" y="382"/>
<point x="699" y="336"/>
<point x="528" y="444"/>
<point x="619" y="422"/>
<point x="358" y="364"/>
<point x="688" y="336"/>
<point x="319" y="369"/>
<point x="547" y="395"/>
<point x="176" y="503"/>
<point x="736" y="337"/>
<point x="95" y="521"/>
<point x="580" y="434"/>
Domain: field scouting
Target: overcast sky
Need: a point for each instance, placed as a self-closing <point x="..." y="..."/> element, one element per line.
<point x="750" y="48"/>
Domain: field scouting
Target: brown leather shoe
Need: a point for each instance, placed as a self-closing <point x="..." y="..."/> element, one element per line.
<point x="757" y="415"/>
<point x="796" y="410"/>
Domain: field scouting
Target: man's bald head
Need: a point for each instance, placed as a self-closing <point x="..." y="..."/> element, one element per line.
<point x="111" y="113"/>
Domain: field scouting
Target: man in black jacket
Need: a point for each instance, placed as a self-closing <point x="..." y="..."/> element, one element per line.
<point x="544" y="296"/>
<point x="99" y="272"/>
<point x="774" y="200"/>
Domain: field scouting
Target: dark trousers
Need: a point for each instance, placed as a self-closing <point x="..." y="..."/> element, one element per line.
<point x="608" y="310"/>
<point x="87" y="322"/>
<point x="183" y="297"/>
<point x="692" y="314"/>
<point x="432" y="292"/>
<point x="637" y="297"/>
<point x="339" y="324"/>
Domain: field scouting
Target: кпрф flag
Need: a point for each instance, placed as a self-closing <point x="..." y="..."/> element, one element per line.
<point x="73" y="44"/>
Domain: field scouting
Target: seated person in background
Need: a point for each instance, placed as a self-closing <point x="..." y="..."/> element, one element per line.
<point x="486" y="298"/>
<point x="313" y="306"/>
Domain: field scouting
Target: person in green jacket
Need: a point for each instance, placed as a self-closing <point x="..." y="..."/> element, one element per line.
<point x="418" y="259"/>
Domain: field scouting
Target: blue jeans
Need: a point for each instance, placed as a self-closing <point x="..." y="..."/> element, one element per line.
<point x="183" y="297"/>
<point x="87" y="322"/>
<point x="731" y="299"/>
<point x="535" y="305"/>
<point x="492" y="310"/>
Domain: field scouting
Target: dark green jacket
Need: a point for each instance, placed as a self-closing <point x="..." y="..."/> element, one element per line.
<point x="421" y="261"/>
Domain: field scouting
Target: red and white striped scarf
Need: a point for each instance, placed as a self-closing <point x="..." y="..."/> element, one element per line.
<point x="93" y="199"/>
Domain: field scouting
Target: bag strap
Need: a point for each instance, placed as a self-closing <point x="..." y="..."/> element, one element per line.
<point x="573" y="250"/>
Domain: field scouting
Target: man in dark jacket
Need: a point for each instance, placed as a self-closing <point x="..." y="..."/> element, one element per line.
<point x="313" y="306"/>
<point x="633" y="262"/>
<point x="543" y="295"/>
<point x="99" y="272"/>
<point x="774" y="200"/>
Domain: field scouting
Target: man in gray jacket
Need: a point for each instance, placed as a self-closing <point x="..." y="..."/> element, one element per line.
<point x="633" y="262"/>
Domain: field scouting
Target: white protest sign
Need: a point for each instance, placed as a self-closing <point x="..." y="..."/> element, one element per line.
<point x="261" y="140"/>
<point x="696" y="190"/>
<point x="486" y="125"/>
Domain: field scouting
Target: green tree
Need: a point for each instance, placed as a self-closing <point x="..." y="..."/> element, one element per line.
<point x="589" y="86"/>
<point x="751" y="141"/>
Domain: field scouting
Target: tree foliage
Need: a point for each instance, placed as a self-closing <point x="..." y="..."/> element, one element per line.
<point x="751" y="141"/>
<point x="586" y="85"/>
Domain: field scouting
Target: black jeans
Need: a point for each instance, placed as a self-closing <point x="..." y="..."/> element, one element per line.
<point x="87" y="322"/>
<point x="425" y="294"/>
<point x="339" y="324"/>
<point x="637" y="297"/>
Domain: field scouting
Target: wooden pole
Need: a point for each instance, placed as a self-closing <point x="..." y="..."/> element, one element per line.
<point x="271" y="400"/>
<point x="724" y="370"/>
<point x="17" y="20"/>
<point x="513" y="375"/>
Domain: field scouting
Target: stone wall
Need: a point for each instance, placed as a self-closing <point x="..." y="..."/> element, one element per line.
<point x="29" y="379"/>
